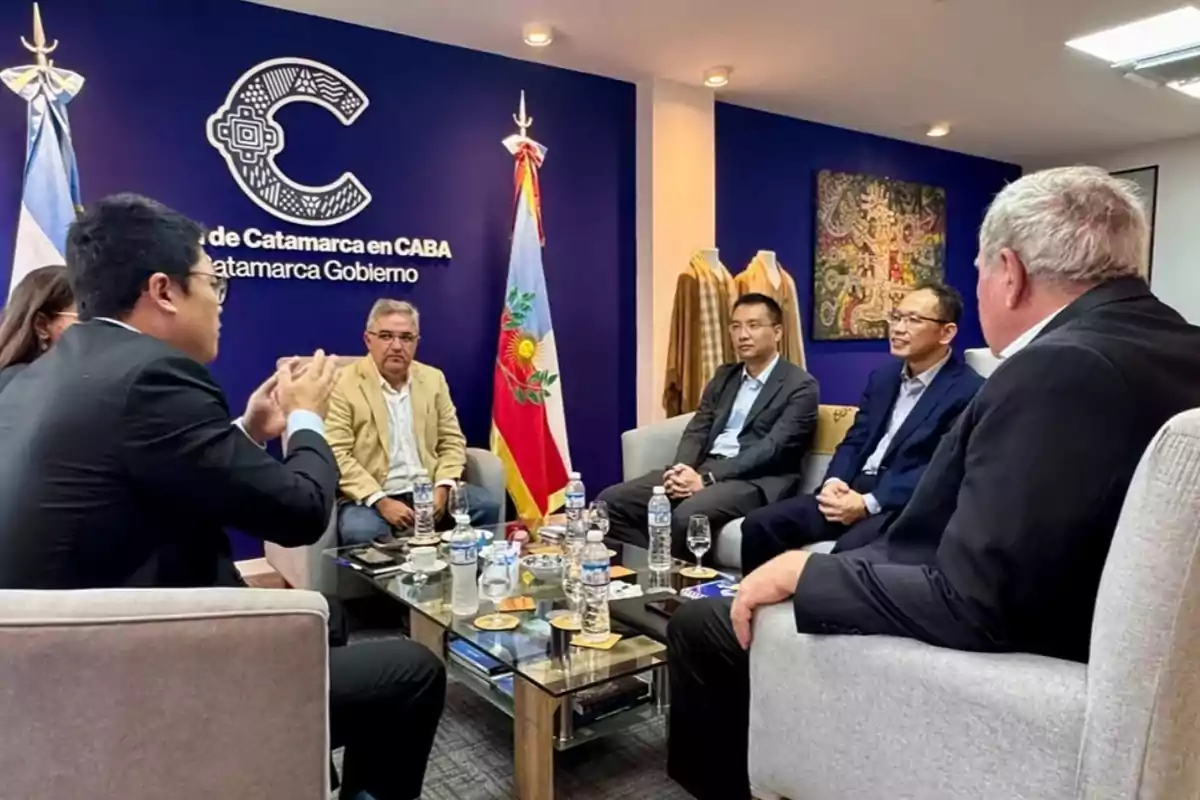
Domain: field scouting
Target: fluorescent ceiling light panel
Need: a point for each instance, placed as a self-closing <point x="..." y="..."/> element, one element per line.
<point x="1165" y="33"/>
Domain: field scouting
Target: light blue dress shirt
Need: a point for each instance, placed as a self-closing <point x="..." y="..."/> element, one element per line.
<point x="726" y="444"/>
<point x="911" y="389"/>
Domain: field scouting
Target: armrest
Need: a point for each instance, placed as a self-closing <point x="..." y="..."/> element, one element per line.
<point x="877" y="716"/>
<point x="651" y="447"/>
<point x="486" y="470"/>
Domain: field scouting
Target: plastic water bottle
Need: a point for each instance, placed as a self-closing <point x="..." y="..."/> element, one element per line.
<point x="573" y="543"/>
<point x="422" y="505"/>
<point x="576" y="498"/>
<point x="464" y="561"/>
<point x="658" y="515"/>
<point x="595" y="588"/>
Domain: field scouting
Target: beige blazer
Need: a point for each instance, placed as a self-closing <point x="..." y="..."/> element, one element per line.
<point x="357" y="427"/>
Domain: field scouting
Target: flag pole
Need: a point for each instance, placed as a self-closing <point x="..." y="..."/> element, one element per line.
<point x="50" y="193"/>
<point x="529" y="432"/>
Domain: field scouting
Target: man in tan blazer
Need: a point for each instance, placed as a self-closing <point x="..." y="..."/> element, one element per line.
<point x="389" y="416"/>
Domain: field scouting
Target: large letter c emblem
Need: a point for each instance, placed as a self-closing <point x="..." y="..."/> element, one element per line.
<point x="245" y="132"/>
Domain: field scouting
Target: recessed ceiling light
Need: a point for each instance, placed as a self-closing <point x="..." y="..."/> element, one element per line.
<point x="938" y="130"/>
<point x="1152" y="36"/>
<point x="717" y="77"/>
<point x="537" y="34"/>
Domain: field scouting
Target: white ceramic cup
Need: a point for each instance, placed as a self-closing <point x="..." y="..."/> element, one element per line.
<point x="423" y="558"/>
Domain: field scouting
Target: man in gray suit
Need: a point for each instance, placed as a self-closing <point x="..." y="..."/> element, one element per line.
<point x="745" y="445"/>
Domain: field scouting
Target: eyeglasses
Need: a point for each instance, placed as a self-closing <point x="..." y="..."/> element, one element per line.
<point x="896" y="317"/>
<point x="387" y="337"/>
<point x="219" y="284"/>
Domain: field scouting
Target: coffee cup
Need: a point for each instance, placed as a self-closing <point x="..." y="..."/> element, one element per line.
<point x="423" y="558"/>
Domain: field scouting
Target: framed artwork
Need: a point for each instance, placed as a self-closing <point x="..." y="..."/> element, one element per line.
<point x="875" y="239"/>
<point x="1146" y="180"/>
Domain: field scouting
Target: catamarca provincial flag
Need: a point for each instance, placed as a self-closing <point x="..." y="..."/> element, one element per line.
<point x="51" y="185"/>
<point x="529" y="428"/>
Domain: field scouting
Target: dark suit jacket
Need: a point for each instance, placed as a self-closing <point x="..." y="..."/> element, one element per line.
<point x="1002" y="545"/>
<point x="776" y="436"/>
<point x="10" y="372"/>
<point x="912" y="447"/>
<point x="120" y="465"/>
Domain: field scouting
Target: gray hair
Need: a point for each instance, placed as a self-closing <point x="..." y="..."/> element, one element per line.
<point x="1070" y="224"/>
<point x="385" y="307"/>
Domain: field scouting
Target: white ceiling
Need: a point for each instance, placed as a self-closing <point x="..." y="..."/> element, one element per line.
<point x="996" y="69"/>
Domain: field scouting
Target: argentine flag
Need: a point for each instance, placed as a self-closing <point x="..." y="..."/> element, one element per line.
<point x="51" y="184"/>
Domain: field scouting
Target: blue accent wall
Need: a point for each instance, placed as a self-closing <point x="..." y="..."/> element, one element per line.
<point x="429" y="150"/>
<point x="767" y="168"/>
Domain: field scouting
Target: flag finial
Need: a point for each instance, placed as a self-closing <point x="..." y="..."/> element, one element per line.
<point x="524" y="122"/>
<point x="39" y="48"/>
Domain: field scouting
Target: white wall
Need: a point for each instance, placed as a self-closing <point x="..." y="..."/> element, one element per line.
<point x="1175" y="275"/>
<point x="676" y="213"/>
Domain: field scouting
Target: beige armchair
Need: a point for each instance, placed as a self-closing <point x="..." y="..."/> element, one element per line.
<point x="144" y="694"/>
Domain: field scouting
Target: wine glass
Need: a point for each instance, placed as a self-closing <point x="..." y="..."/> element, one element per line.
<point x="598" y="516"/>
<point x="699" y="537"/>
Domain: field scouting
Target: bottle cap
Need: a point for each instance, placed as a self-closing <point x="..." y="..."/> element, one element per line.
<point x="595" y="536"/>
<point x="573" y="476"/>
<point x="659" y="490"/>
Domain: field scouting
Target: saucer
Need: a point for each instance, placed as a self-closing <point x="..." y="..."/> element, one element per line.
<point x="438" y="566"/>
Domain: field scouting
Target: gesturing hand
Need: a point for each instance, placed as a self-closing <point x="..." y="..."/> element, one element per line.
<point x="264" y="419"/>
<point x="309" y="388"/>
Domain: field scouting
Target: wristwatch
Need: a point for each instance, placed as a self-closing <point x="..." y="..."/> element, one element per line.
<point x="708" y="479"/>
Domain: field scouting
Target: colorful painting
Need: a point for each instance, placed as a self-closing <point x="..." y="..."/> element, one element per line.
<point x="876" y="238"/>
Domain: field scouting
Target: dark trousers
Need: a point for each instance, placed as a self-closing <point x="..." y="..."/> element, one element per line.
<point x="796" y="522"/>
<point x="709" y="729"/>
<point x="721" y="503"/>
<point x="385" y="700"/>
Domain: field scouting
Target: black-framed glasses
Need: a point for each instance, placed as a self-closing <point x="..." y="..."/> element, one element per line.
<point x="219" y="284"/>
<point x="387" y="337"/>
<point x="896" y="317"/>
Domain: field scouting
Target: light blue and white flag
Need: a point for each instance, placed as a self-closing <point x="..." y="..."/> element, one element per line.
<point x="51" y="184"/>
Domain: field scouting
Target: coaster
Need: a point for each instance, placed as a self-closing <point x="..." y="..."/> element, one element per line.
<point x="617" y="571"/>
<point x="516" y="604"/>
<point x="698" y="572"/>
<point x="424" y="541"/>
<point x="565" y="622"/>
<point x="607" y="644"/>
<point x="496" y="622"/>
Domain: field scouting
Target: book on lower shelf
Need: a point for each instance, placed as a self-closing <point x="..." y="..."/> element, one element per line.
<point x="467" y="655"/>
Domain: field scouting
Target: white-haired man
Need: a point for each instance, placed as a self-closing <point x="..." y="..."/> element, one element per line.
<point x="390" y="416"/>
<point x="1002" y="544"/>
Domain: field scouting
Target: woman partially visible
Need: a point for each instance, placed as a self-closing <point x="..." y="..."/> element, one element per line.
<point x="37" y="313"/>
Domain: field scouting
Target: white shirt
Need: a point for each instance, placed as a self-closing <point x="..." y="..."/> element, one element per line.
<point x="403" y="457"/>
<point x="726" y="443"/>
<point x="1022" y="341"/>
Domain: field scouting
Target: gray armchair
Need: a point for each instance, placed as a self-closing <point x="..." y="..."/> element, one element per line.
<point x="858" y="718"/>
<point x="652" y="447"/>
<point x="142" y="694"/>
<point x="306" y="568"/>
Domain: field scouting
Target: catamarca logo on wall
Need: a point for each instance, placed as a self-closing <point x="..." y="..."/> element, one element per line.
<point x="245" y="132"/>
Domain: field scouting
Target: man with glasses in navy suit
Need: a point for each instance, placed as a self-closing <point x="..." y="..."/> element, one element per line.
<point x="905" y="409"/>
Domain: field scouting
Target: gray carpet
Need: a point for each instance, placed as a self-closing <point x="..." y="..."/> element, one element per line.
<point x="473" y="759"/>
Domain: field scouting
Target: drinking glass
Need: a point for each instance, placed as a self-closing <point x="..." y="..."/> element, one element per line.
<point x="598" y="516"/>
<point x="458" y="500"/>
<point x="699" y="537"/>
<point x="495" y="581"/>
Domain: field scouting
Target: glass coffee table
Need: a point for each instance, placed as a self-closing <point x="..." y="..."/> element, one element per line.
<point x="559" y="695"/>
